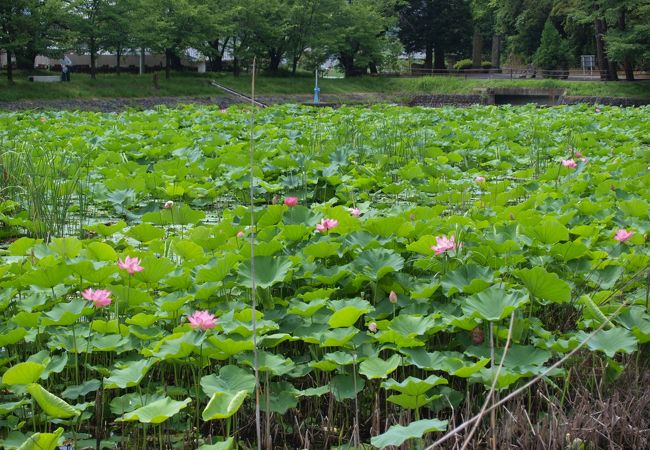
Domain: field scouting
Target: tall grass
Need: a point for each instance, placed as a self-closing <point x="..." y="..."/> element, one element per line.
<point x="45" y="184"/>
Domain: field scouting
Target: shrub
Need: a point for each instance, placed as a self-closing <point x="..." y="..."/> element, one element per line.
<point x="486" y="65"/>
<point x="463" y="64"/>
<point x="553" y="52"/>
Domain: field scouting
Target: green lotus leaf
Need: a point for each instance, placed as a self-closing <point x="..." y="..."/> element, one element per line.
<point x="6" y="408"/>
<point x="606" y="278"/>
<point x="384" y="226"/>
<point x="377" y="262"/>
<point x="175" y="346"/>
<point x="106" y="230"/>
<point x="322" y="249"/>
<point x="46" y="277"/>
<point x="611" y="341"/>
<point x="230" y="379"/>
<point x="282" y="397"/>
<point x="398" y="434"/>
<point x="549" y="231"/>
<point x="52" y="405"/>
<point x="68" y="247"/>
<point x="155" y="269"/>
<point x="129" y="376"/>
<point x="305" y="309"/>
<point x="64" y="314"/>
<point x="223" y="404"/>
<point x="635" y="208"/>
<point x="177" y="215"/>
<point x="20" y="246"/>
<point x="225" y="445"/>
<point x="468" y="278"/>
<point x="27" y="319"/>
<point x="74" y="392"/>
<point x="375" y="367"/>
<point x="493" y="304"/>
<point x="506" y="377"/>
<point x="347" y="312"/>
<point x="270" y="362"/>
<point x="231" y="346"/>
<point x="13" y="336"/>
<point x="155" y="412"/>
<point x="569" y="251"/>
<point x="101" y="251"/>
<point x="145" y="232"/>
<point x="544" y="285"/>
<point x="188" y="250"/>
<point x="271" y="216"/>
<point x="411" y="401"/>
<point x="638" y="322"/>
<point x="42" y="441"/>
<point x="94" y="272"/>
<point x="268" y="271"/>
<point x="216" y="270"/>
<point x="23" y="373"/>
<point x="414" y="386"/>
<point x="346" y="387"/>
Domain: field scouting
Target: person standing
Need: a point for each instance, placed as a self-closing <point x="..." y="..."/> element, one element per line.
<point x="66" y="68"/>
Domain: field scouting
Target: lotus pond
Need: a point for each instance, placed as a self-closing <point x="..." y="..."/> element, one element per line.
<point x="396" y="253"/>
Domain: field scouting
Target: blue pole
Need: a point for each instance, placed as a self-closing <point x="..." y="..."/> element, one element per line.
<point x="316" y="90"/>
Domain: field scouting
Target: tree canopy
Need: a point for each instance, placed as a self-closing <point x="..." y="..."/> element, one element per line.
<point x="362" y="35"/>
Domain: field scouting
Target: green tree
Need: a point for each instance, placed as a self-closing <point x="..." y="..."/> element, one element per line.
<point x="436" y="27"/>
<point x="31" y="27"/>
<point x="553" y="52"/>
<point x="356" y="33"/>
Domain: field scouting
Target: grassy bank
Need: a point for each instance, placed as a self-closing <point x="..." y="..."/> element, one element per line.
<point x="126" y="85"/>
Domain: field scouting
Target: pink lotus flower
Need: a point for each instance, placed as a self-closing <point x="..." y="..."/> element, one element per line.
<point x="372" y="327"/>
<point x="578" y="154"/>
<point x="444" y="244"/>
<point x="392" y="297"/>
<point x="100" y="297"/>
<point x="354" y="212"/>
<point x="291" y="201"/>
<point x="326" y="224"/>
<point x="240" y="234"/>
<point x="480" y="179"/>
<point x="131" y="265"/>
<point x="202" y="320"/>
<point x="571" y="164"/>
<point x="623" y="235"/>
<point x="168" y="204"/>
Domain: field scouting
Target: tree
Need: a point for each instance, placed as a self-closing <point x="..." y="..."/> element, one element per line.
<point x="553" y="51"/>
<point x="116" y="19"/>
<point x="29" y="28"/>
<point x="435" y="27"/>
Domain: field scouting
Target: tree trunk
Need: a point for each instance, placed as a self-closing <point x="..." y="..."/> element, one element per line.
<point x="25" y="59"/>
<point x="477" y="49"/>
<point x="216" y="60"/>
<point x="347" y="61"/>
<point x="10" y="69"/>
<point x="496" y="51"/>
<point x="294" y="65"/>
<point x="142" y="55"/>
<point x="627" y="62"/>
<point x="93" y="58"/>
<point x="372" y="66"/>
<point x="117" y="62"/>
<point x="275" y="56"/>
<point x="168" y="63"/>
<point x="601" y="53"/>
<point x="428" y="56"/>
<point x="235" y="66"/>
<point x="613" y="70"/>
<point x="438" y="58"/>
